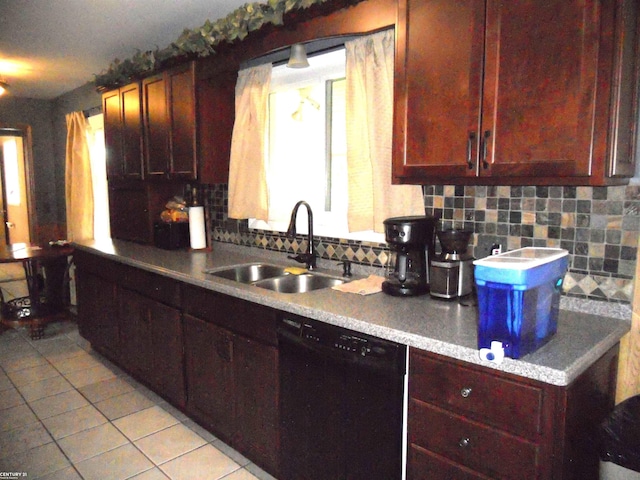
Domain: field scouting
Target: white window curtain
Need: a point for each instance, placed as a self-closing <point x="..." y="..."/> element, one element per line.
<point x="97" y="154"/>
<point x="372" y="198"/>
<point x="78" y="181"/>
<point x="248" y="194"/>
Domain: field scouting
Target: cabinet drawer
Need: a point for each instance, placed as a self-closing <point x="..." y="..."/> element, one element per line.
<point x="157" y="287"/>
<point x="97" y="265"/>
<point x="475" y="445"/>
<point x="426" y="465"/>
<point x="512" y="406"/>
<point x="239" y="316"/>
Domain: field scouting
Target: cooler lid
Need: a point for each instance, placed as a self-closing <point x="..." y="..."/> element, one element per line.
<point x="522" y="258"/>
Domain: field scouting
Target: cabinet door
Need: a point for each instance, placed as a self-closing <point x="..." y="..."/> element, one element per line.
<point x="131" y="131"/>
<point x="210" y="380"/>
<point x="256" y="382"/>
<point x="113" y="134"/>
<point x="156" y="126"/>
<point x="626" y="92"/>
<point x="215" y="117"/>
<point x="123" y="132"/>
<point x="136" y="351"/>
<point x="129" y="213"/>
<point x="183" y="122"/>
<point x="541" y="74"/>
<point x="97" y="312"/>
<point x="437" y="88"/>
<point x="168" y="363"/>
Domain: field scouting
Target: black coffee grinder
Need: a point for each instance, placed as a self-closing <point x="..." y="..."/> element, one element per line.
<point x="452" y="270"/>
<point x="411" y="246"/>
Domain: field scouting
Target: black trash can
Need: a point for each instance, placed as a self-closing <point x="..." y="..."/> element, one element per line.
<point x="619" y="442"/>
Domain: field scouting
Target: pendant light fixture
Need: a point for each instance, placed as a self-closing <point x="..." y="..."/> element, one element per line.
<point x="4" y="86"/>
<point x="298" y="56"/>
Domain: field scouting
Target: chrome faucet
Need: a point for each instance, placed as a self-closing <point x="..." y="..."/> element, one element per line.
<point x="309" y="257"/>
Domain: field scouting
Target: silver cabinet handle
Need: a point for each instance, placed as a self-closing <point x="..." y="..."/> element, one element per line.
<point x="465" y="392"/>
<point x="464" y="443"/>
<point x="485" y="142"/>
<point x="470" y="141"/>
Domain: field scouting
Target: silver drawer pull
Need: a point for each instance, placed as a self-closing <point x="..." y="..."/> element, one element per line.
<point x="465" y="392"/>
<point x="464" y="443"/>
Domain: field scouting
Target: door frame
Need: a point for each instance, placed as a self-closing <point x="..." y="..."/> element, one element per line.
<point x="24" y="131"/>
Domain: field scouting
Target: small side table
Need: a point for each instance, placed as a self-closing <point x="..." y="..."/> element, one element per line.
<point x="46" y="271"/>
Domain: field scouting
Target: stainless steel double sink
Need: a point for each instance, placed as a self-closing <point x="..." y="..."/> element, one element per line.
<point x="277" y="278"/>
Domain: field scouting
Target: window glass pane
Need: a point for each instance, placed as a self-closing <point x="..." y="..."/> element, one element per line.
<point x="303" y="135"/>
<point x="338" y="192"/>
<point x="296" y="162"/>
<point x="307" y="147"/>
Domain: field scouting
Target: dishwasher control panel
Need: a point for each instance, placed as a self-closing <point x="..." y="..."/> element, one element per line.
<point x="354" y="344"/>
<point x="320" y="335"/>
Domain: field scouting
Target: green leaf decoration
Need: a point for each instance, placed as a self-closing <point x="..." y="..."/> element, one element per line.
<point x="203" y="40"/>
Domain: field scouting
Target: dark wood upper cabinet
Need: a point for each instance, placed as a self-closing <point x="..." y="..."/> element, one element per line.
<point x="134" y="206"/>
<point x="156" y="127"/>
<point x="528" y="92"/>
<point x="169" y="124"/>
<point x="123" y="132"/>
<point x="215" y="117"/>
<point x="112" y="132"/>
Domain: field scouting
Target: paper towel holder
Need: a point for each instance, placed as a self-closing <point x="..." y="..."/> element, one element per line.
<point x="197" y="224"/>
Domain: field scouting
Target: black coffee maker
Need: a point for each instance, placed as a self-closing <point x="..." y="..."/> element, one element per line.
<point x="411" y="245"/>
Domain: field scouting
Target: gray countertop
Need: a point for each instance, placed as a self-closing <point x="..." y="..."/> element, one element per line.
<point x="438" y="326"/>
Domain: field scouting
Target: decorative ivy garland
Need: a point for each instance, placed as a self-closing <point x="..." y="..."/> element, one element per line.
<point x="202" y="41"/>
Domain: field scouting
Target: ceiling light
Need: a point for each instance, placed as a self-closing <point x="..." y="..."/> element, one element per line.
<point x="4" y="86"/>
<point x="298" y="57"/>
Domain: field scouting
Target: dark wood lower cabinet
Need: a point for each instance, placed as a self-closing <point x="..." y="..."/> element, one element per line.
<point x="151" y="344"/>
<point x="231" y="360"/>
<point x="427" y="465"/>
<point x="211" y="355"/>
<point x="121" y="312"/>
<point x="209" y="371"/>
<point x="469" y="422"/>
<point x="96" y="291"/>
<point x="256" y="384"/>
<point x="216" y="357"/>
<point x="135" y="334"/>
<point x="167" y="343"/>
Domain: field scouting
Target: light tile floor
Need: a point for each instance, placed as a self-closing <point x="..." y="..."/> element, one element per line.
<point x="68" y="413"/>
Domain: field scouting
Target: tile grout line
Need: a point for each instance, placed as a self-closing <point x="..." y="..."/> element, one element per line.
<point x="38" y="419"/>
<point x="107" y="364"/>
<point x="41" y="422"/>
<point x="109" y="420"/>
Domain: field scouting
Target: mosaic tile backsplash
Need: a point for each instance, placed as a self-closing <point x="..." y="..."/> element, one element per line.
<point x="599" y="226"/>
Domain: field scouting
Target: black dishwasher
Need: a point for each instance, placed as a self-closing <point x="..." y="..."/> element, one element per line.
<point x="341" y="403"/>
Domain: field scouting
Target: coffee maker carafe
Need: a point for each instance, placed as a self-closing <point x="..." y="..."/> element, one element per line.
<point x="411" y="247"/>
<point x="452" y="270"/>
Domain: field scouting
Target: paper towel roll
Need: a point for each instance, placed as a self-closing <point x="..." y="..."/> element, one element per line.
<point x="196" y="228"/>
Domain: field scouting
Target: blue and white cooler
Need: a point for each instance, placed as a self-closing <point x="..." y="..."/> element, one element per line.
<point x="518" y="299"/>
